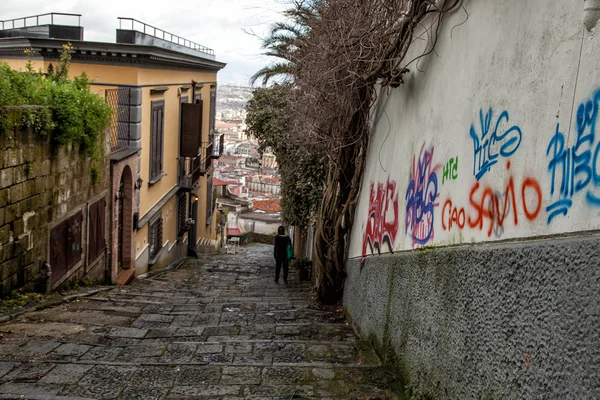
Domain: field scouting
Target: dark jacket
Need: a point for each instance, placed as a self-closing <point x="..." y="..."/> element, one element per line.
<point x="280" y="249"/>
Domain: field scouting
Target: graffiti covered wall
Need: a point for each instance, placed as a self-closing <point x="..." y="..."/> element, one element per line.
<point x="483" y="179"/>
<point x="495" y="139"/>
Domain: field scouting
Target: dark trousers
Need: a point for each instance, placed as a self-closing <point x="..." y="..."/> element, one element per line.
<point x="278" y="264"/>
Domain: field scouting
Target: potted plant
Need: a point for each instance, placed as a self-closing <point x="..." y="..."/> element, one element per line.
<point x="303" y="266"/>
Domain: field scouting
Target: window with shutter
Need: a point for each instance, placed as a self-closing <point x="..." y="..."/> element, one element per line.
<point x="209" y="201"/>
<point x="157" y="140"/>
<point x="181" y="212"/>
<point x="213" y="110"/>
<point x="155" y="235"/>
<point x="191" y="129"/>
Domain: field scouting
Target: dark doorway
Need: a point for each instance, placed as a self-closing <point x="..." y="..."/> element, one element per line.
<point x="192" y="232"/>
<point x="121" y="201"/>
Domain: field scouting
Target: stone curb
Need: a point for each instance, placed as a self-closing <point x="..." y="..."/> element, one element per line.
<point x="174" y="265"/>
<point x="65" y="299"/>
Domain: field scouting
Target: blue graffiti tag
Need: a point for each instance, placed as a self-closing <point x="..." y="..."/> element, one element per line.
<point x="485" y="153"/>
<point x="577" y="166"/>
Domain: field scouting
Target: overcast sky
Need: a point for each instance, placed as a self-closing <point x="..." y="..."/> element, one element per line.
<point x="223" y="25"/>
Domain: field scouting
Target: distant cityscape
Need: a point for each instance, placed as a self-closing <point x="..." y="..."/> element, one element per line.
<point x="246" y="181"/>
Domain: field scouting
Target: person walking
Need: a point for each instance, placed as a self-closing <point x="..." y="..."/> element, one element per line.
<point x="280" y="252"/>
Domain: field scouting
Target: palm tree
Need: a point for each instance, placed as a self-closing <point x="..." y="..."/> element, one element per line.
<point x="284" y="41"/>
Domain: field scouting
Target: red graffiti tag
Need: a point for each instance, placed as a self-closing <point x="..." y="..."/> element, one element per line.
<point x="495" y="207"/>
<point x="382" y="223"/>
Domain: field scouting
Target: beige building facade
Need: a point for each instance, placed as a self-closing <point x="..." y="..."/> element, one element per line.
<point x="162" y="137"/>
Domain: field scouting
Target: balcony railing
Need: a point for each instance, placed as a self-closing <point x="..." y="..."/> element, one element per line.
<point x="40" y="19"/>
<point x="218" y="146"/>
<point x="191" y="169"/>
<point x="161" y="34"/>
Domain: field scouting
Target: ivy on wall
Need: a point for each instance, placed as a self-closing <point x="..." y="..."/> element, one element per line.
<point x="52" y="103"/>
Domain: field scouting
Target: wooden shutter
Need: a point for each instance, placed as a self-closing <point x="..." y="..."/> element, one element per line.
<point x="155" y="239"/>
<point x="161" y="137"/>
<point x="213" y="110"/>
<point x="58" y="250"/>
<point x="101" y="220"/>
<point x="191" y="129"/>
<point x="97" y="230"/>
<point x="156" y="139"/>
<point x="74" y="239"/>
<point x="93" y="232"/>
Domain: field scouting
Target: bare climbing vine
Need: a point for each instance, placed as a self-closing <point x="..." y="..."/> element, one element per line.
<point x="351" y="48"/>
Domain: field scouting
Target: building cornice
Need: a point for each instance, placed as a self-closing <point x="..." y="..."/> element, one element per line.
<point x="106" y="53"/>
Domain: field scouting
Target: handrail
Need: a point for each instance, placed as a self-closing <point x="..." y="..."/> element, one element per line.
<point x="172" y="38"/>
<point x="37" y="20"/>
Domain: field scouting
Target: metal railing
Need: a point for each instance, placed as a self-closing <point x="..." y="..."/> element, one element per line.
<point x="119" y="127"/>
<point x="190" y="171"/>
<point x="23" y="22"/>
<point x="164" y="35"/>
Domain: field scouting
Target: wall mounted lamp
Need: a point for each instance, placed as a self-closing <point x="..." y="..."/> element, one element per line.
<point x="138" y="183"/>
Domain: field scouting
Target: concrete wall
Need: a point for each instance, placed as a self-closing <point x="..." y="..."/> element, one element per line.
<point x="492" y="138"/>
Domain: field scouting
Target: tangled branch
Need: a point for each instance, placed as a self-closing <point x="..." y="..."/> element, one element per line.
<point x="347" y="49"/>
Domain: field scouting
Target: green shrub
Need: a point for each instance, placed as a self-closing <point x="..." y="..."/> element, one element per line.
<point x="51" y="102"/>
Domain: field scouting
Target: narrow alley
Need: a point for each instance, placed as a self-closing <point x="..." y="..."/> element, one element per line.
<point x="215" y="328"/>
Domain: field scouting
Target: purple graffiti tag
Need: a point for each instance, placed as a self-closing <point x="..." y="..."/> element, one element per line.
<point x="421" y="197"/>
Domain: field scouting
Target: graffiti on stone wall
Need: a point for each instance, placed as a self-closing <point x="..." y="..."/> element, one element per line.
<point x="450" y="171"/>
<point x="383" y="219"/>
<point x="421" y="197"/>
<point x="490" y="209"/>
<point x="489" y="145"/>
<point x="576" y="167"/>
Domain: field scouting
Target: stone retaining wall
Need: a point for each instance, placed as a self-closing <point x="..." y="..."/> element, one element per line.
<point x="40" y="187"/>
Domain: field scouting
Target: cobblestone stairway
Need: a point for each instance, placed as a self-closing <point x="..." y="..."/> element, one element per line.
<point x="216" y="328"/>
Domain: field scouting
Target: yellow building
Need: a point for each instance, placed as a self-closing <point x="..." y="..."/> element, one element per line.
<point x="162" y="142"/>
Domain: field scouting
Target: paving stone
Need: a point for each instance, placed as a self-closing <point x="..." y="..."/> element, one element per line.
<point x="237" y="348"/>
<point x="179" y="352"/>
<point x="6" y="367"/>
<point x="153" y="321"/>
<point x="198" y="375"/>
<point x="241" y="375"/>
<point x="148" y="376"/>
<point x="144" y="393"/>
<point x="205" y="319"/>
<point x="284" y="375"/>
<point x="39" y="347"/>
<point x="321" y="373"/>
<point x="183" y="321"/>
<point x="66" y="373"/>
<point x="191" y="331"/>
<point x="30" y="389"/>
<point x="71" y="349"/>
<point x="212" y="390"/>
<point x="160" y="333"/>
<point x="108" y="375"/>
<point x="92" y="392"/>
<point x="140" y="353"/>
<point x="29" y="372"/>
<point x="253" y="359"/>
<point x="133" y="333"/>
<point x="102" y="353"/>
<point x="218" y="358"/>
<point x="209" y="348"/>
